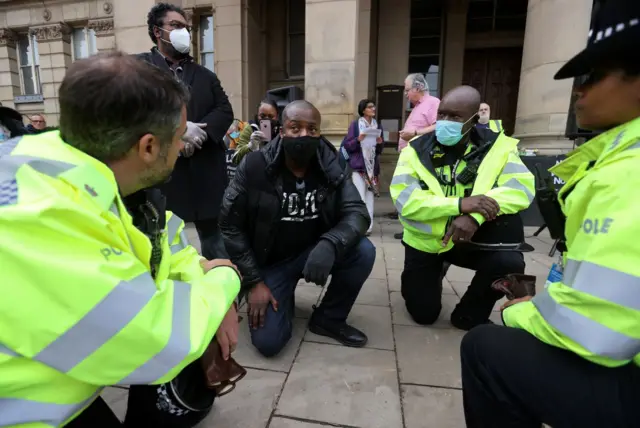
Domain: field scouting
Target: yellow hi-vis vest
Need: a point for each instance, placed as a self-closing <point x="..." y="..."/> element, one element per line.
<point x="496" y="126"/>
<point x="79" y="309"/>
<point x="595" y="310"/>
<point x="423" y="207"/>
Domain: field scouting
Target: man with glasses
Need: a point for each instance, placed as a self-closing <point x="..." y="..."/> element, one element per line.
<point x="200" y="175"/>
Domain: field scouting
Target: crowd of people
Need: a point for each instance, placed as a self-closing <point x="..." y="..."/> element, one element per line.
<point x="126" y="300"/>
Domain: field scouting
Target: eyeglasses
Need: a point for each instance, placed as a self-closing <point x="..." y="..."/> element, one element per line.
<point x="178" y="25"/>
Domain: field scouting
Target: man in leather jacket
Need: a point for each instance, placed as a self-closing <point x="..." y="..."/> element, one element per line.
<point x="292" y="212"/>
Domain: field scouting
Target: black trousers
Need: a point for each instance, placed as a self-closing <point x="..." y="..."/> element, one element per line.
<point x="511" y="379"/>
<point x="421" y="282"/>
<point x="211" y="241"/>
<point x="142" y="411"/>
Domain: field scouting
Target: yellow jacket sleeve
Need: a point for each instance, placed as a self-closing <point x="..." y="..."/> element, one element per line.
<point x="411" y="200"/>
<point x="595" y="310"/>
<point x="514" y="190"/>
<point x="76" y="298"/>
<point x="185" y="260"/>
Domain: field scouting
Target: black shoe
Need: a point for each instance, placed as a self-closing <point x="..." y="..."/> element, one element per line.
<point x="398" y="235"/>
<point x="342" y="332"/>
<point x="466" y="323"/>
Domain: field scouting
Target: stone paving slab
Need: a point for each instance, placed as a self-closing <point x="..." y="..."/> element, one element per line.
<point x="408" y="376"/>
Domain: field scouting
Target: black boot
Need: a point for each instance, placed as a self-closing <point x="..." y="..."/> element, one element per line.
<point x="340" y="331"/>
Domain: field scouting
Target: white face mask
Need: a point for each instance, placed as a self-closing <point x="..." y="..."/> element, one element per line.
<point x="180" y="40"/>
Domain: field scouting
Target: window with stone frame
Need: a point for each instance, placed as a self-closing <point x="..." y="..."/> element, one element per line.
<point x="425" y="42"/>
<point x="29" y="63"/>
<point x="206" y="50"/>
<point x="83" y="43"/>
<point x="485" y="16"/>
<point x="295" y="38"/>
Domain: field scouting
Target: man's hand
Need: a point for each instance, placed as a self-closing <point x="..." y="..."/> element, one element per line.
<point x="407" y="134"/>
<point x="379" y="140"/>
<point x="319" y="263"/>
<point x="481" y="204"/>
<point x="259" y="298"/>
<point x="514" y="301"/>
<point x="195" y="134"/>
<point x="461" y="230"/>
<point x="207" y="265"/>
<point x="227" y="334"/>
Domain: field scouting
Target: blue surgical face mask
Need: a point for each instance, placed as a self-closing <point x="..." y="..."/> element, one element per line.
<point x="449" y="133"/>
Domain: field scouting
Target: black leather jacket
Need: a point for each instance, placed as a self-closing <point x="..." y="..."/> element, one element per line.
<point x="251" y="209"/>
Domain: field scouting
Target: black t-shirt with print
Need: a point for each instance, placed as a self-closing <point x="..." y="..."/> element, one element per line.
<point x="300" y="224"/>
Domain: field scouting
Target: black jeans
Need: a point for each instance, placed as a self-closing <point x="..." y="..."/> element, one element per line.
<point x="211" y="241"/>
<point x="510" y="379"/>
<point x="347" y="278"/>
<point x="421" y="281"/>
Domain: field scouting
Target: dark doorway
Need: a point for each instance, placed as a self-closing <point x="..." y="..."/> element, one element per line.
<point x="495" y="73"/>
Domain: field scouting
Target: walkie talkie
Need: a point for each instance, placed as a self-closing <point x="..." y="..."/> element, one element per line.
<point x="549" y="206"/>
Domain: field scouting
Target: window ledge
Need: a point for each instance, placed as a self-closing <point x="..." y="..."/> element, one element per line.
<point x="27" y="99"/>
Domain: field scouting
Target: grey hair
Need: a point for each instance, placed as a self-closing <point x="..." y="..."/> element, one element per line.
<point x="419" y="82"/>
<point x="109" y="101"/>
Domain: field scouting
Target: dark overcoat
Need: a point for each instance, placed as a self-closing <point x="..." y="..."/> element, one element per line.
<point x="198" y="182"/>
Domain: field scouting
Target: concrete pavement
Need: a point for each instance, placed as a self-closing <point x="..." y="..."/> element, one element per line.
<point x="408" y="376"/>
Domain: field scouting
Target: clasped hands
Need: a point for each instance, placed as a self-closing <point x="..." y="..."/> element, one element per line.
<point x="464" y="227"/>
<point x="316" y="270"/>
<point x="193" y="138"/>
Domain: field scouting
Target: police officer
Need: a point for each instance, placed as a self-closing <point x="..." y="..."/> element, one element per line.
<point x="99" y="289"/>
<point x="570" y="356"/>
<point x="459" y="185"/>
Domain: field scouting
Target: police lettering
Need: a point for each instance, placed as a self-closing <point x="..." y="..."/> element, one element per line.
<point x="596" y="226"/>
<point x="108" y="252"/>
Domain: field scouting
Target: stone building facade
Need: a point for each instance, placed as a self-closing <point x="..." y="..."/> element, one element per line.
<point x="337" y="51"/>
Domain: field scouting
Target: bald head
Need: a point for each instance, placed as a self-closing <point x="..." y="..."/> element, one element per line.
<point x="464" y="98"/>
<point x="300" y="106"/>
<point x="301" y="119"/>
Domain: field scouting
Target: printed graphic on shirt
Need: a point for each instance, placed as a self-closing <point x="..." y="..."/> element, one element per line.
<point x="299" y="207"/>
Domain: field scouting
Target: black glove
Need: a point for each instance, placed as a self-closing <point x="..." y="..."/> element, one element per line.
<point x="319" y="263"/>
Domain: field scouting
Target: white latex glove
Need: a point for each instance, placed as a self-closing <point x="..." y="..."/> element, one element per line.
<point x="256" y="139"/>
<point x="188" y="150"/>
<point x="195" y="134"/>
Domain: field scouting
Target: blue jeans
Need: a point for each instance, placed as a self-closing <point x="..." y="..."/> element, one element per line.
<point x="347" y="277"/>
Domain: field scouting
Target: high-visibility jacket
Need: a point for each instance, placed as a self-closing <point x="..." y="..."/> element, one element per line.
<point x="79" y="308"/>
<point x="424" y="209"/>
<point x="595" y="310"/>
<point x="496" y="126"/>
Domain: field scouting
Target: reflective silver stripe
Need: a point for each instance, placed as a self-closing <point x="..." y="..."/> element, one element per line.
<point x="604" y="283"/>
<point x="182" y="244"/>
<point x="172" y="227"/>
<point x="591" y="335"/>
<point x="177" y="348"/>
<point x="114" y="209"/>
<point x="7" y="147"/>
<point x="404" y="179"/>
<point x="5" y="350"/>
<point x="100" y="324"/>
<point x="404" y="196"/>
<point x="634" y="146"/>
<point x="422" y="227"/>
<point x="515" y="168"/>
<point x="498" y="125"/>
<point x="18" y="411"/>
<point x="514" y="184"/>
<point x="9" y="166"/>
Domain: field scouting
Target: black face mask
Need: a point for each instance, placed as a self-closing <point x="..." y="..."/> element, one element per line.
<point x="301" y="150"/>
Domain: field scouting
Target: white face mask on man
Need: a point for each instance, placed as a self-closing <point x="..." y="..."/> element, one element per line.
<point x="180" y="39"/>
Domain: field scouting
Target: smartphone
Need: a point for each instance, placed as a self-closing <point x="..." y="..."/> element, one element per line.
<point x="265" y="127"/>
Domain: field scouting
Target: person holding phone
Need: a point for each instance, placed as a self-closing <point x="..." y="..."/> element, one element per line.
<point x="264" y="128"/>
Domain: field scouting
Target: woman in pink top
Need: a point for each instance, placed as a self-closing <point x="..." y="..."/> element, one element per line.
<point x="422" y="119"/>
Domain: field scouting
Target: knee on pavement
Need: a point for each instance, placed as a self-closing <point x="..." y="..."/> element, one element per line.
<point x="269" y="343"/>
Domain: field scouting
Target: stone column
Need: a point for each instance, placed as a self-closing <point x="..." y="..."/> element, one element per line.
<point x="54" y="47"/>
<point x="105" y="36"/>
<point x="130" y="25"/>
<point x="363" y="52"/>
<point x="230" y="57"/>
<point x="556" y="30"/>
<point x="455" y="39"/>
<point x="394" y="26"/>
<point x="330" y="69"/>
<point x="9" y="74"/>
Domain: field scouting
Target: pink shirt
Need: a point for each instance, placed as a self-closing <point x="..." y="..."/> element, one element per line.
<point x="424" y="113"/>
